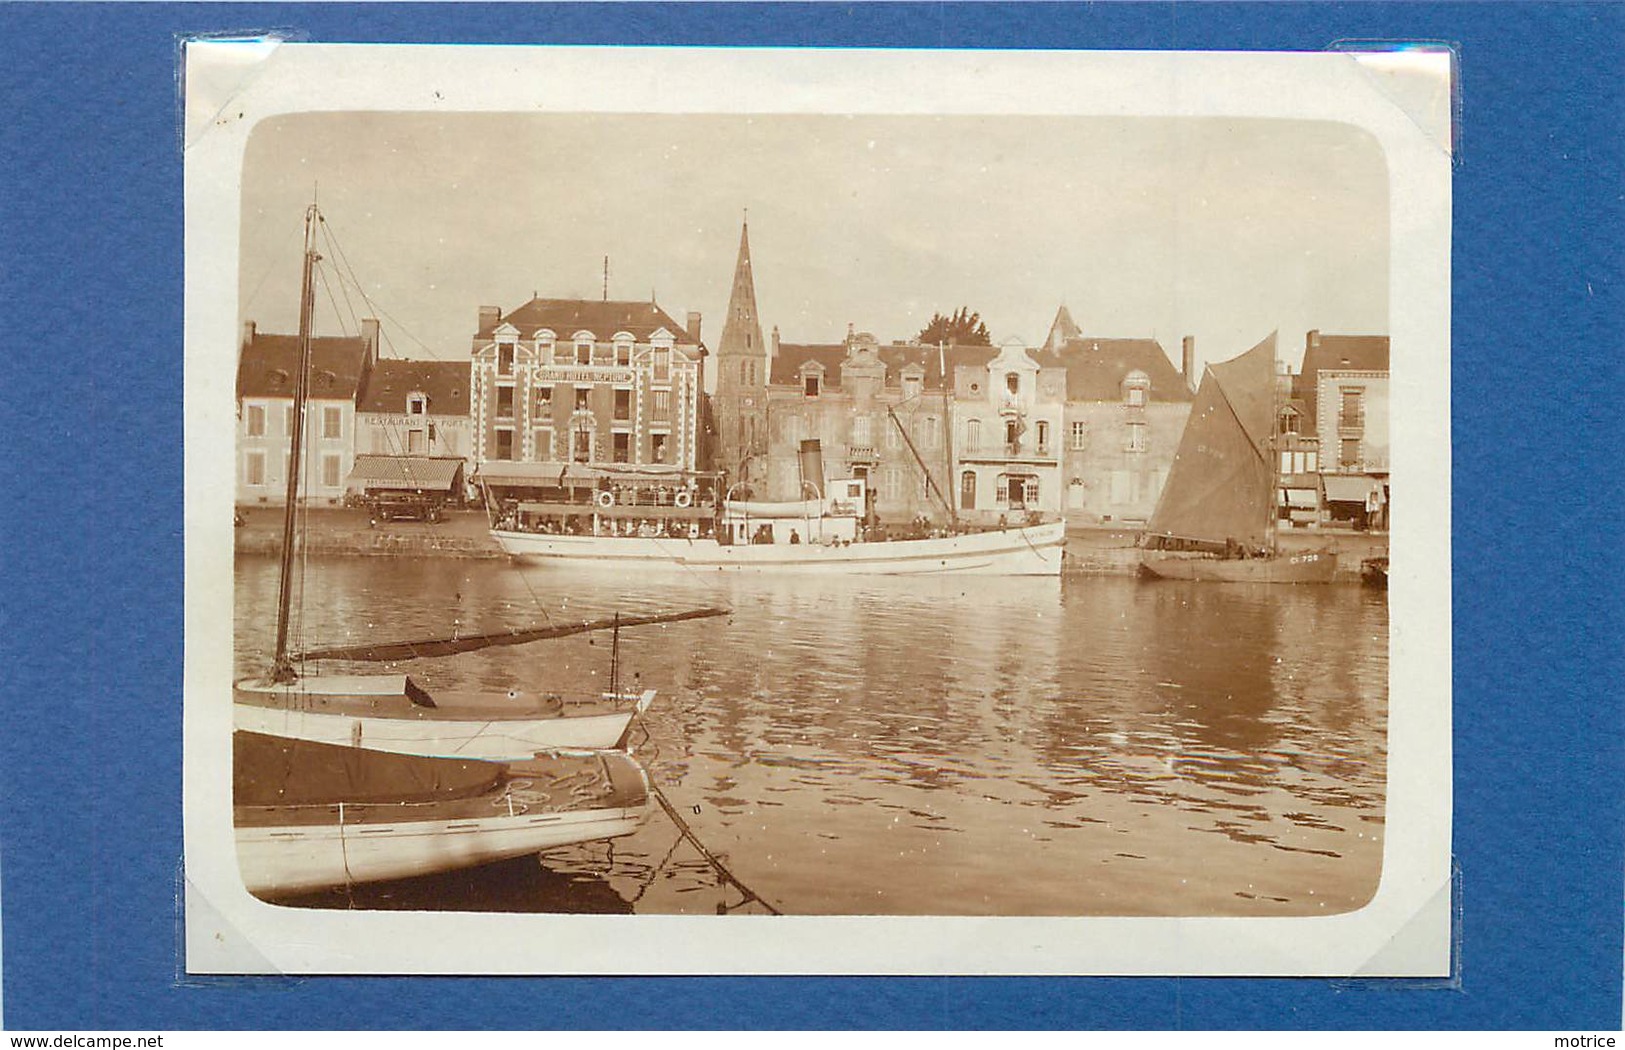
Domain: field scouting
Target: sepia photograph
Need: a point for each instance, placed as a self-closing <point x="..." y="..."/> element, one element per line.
<point x="851" y="512"/>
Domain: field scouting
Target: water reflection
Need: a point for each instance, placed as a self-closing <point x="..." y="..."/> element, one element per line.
<point x="876" y="746"/>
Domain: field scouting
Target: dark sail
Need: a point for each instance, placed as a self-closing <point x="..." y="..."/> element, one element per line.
<point x="380" y="652"/>
<point x="1222" y="482"/>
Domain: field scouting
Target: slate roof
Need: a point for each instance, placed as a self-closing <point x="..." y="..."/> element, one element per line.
<point x="1062" y="329"/>
<point x="1095" y="369"/>
<point x="1360" y="353"/>
<point x="445" y="383"/>
<point x="603" y="318"/>
<point x="786" y="366"/>
<point x="268" y="365"/>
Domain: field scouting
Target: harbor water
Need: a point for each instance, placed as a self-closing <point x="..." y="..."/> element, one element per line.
<point x="872" y="746"/>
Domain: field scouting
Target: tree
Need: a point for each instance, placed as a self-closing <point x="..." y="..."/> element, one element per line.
<point x="963" y="328"/>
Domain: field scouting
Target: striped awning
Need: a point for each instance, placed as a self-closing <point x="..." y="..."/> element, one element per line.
<point x="417" y="473"/>
<point x="1347" y="488"/>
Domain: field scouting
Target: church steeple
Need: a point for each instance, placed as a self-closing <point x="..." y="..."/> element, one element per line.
<point x="742" y="364"/>
<point x="741" y="331"/>
<point x="1063" y="329"/>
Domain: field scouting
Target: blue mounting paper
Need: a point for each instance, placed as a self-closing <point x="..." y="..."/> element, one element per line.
<point x="90" y="760"/>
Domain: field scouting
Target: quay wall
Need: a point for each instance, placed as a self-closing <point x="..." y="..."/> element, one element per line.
<point x="1112" y="552"/>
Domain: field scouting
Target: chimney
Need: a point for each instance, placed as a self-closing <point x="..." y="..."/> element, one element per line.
<point x="775" y="343"/>
<point x="248" y="332"/>
<point x="694" y="327"/>
<point x="1312" y="340"/>
<point x="849" y="333"/>
<point x="1187" y="360"/>
<point x="489" y="317"/>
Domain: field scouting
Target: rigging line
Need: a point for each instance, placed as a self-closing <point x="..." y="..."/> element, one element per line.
<point x="327" y="285"/>
<point x="710" y="858"/>
<point x="362" y="291"/>
<point x="339" y="277"/>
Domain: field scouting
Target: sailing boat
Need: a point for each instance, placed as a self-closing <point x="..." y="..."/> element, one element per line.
<point x="392" y="712"/>
<point x="1216" y="518"/>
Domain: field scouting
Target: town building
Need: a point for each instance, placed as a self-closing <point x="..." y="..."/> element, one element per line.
<point x="1126" y="407"/>
<point x="1339" y="412"/>
<point x="267" y="371"/>
<point x="1009" y="411"/>
<point x="585" y="381"/>
<point x="416" y="408"/>
<point x="877" y="412"/>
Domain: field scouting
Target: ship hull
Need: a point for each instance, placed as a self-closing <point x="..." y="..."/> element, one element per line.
<point x="1301" y="567"/>
<point x="491" y="727"/>
<point x="1029" y="551"/>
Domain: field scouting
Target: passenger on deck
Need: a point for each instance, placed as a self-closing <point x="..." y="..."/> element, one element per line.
<point x="795" y="537"/>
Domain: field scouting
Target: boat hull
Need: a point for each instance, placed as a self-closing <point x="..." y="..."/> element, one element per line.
<point x="492" y="727"/>
<point x="1029" y="551"/>
<point x="1300" y="567"/>
<point x="290" y="859"/>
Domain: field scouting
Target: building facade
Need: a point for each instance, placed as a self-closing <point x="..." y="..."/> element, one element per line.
<point x="267" y="371"/>
<point x="586" y="381"/>
<point x="416" y="408"/>
<point x="1341" y="392"/>
<point x="1009" y="414"/>
<point x="878" y="413"/>
<point x="1126" y="407"/>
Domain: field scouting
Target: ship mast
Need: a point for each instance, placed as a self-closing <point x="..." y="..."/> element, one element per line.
<point x="948" y="435"/>
<point x="282" y="665"/>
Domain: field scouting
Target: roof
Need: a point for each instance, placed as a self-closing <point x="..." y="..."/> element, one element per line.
<point x="1096" y="368"/>
<point x="602" y="317"/>
<point x="786" y="365"/>
<point x="1062" y="329"/>
<point x="1328" y="353"/>
<point x="268" y="366"/>
<point x="445" y="383"/>
<point x="408" y="472"/>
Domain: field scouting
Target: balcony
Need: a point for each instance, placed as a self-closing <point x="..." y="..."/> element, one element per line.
<point x="861" y="453"/>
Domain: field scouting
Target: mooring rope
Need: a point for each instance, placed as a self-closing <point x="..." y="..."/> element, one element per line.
<point x="710" y="858"/>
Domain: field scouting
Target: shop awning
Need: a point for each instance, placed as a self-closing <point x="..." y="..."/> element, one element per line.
<point x="1300" y="498"/>
<point x="412" y="473"/>
<point x="1347" y="488"/>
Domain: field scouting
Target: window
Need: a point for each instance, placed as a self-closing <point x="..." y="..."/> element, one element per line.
<point x="287" y="420"/>
<point x="659" y="445"/>
<point x="581" y="398"/>
<point x="1080" y="435"/>
<point x="504" y="402"/>
<point x="860" y="431"/>
<point x="417" y="442"/>
<point x="544" y="400"/>
<point x="1012" y="382"/>
<point x="1350" y="454"/>
<point x="912" y="386"/>
<point x="584" y="353"/>
<point x="621" y="447"/>
<point x="504" y="359"/>
<point x="1031" y="492"/>
<point x="809" y="384"/>
<point x="932" y="428"/>
<point x="544" y="444"/>
<point x="973" y="435"/>
<point x="893" y="435"/>
<point x="330" y="471"/>
<point x="581" y="448"/>
<point x="1012" y="436"/>
<point x="623" y="354"/>
<point x="254" y="424"/>
<point x="504" y="444"/>
<point x="967" y="490"/>
<point x="663" y="404"/>
<point x="1289" y="421"/>
<point x="332" y="423"/>
<point x="417" y="405"/>
<point x="891" y="483"/>
<point x="623" y="404"/>
<point x="1136" y="441"/>
<point x="254" y="468"/>
<point x="1136" y="388"/>
<point x="1001" y="490"/>
<point x="1043" y="437"/>
<point x="662" y="364"/>
<point x="1351" y="413"/>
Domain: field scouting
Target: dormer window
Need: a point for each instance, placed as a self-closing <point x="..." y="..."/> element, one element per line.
<point x="417" y="405"/>
<point x="583" y="353"/>
<point x="1136" y="389"/>
<point x="544" y="347"/>
<point x="662" y="364"/>
<point x="623" y="354"/>
<point x="913" y="384"/>
<point x="504" y="359"/>
<point x="810" y="384"/>
<point x="1012" y="382"/>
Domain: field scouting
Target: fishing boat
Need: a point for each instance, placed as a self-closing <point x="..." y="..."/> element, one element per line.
<point x="392" y="712"/>
<point x="1216" y="519"/>
<point x="312" y="816"/>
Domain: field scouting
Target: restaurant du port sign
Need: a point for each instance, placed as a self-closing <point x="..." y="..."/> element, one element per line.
<point x="580" y="374"/>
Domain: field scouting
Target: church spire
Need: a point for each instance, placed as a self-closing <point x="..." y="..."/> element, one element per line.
<point x="1063" y="329"/>
<point x="741" y="331"/>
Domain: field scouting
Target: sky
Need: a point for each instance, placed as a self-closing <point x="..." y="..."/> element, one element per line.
<point x="1222" y="229"/>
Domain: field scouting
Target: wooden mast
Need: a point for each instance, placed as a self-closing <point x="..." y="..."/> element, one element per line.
<point x="948" y="436"/>
<point x="282" y="666"/>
